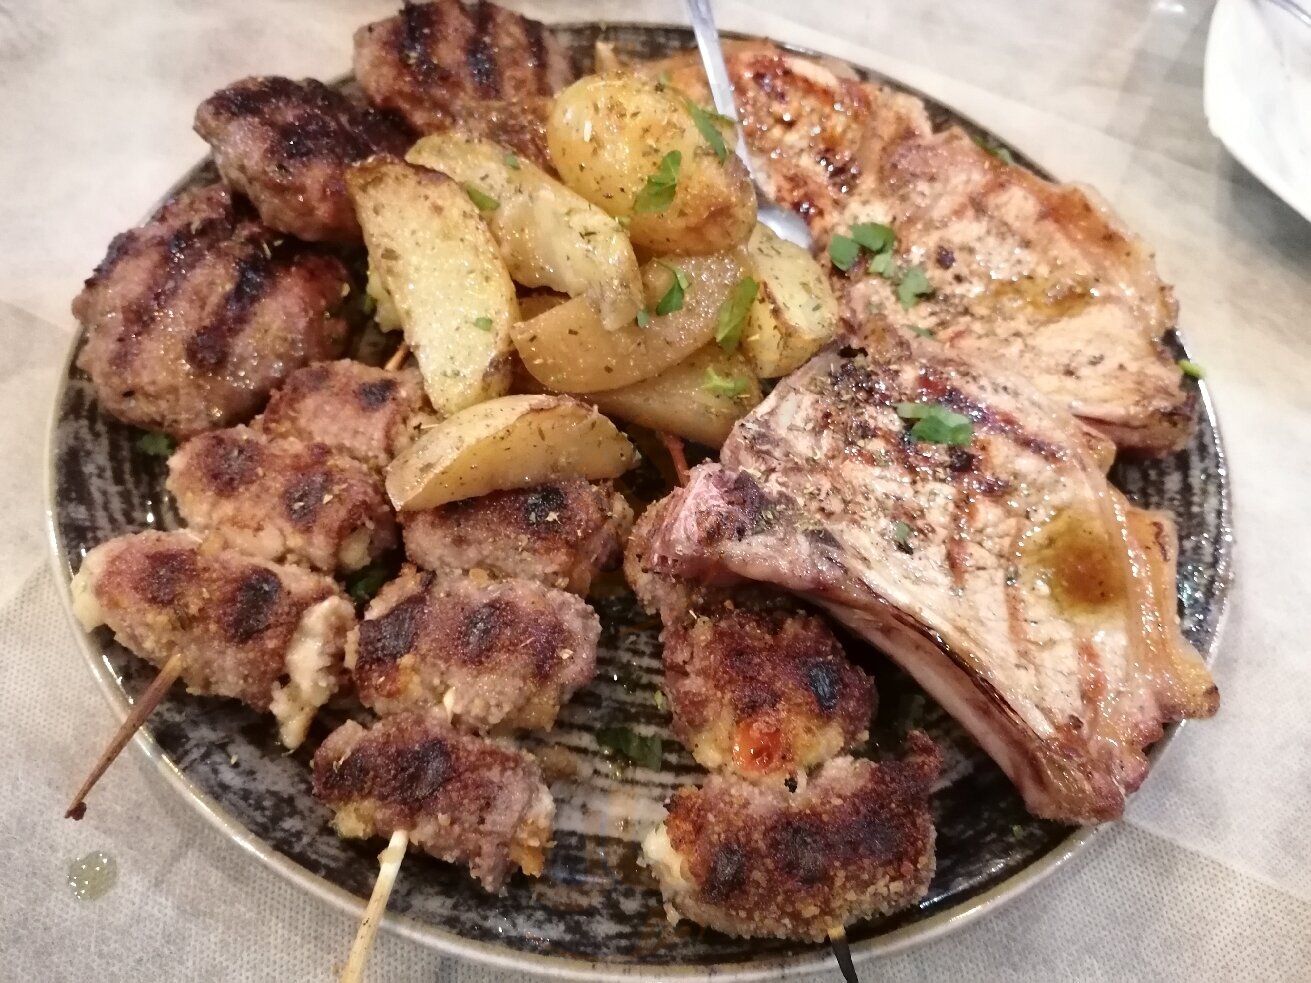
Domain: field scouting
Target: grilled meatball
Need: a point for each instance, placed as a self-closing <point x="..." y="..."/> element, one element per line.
<point x="854" y="842"/>
<point x="560" y="534"/>
<point x="480" y="68"/>
<point x="367" y="413"/>
<point x="270" y="636"/>
<point x="503" y="654"/>
<point x="194" y="317"/>
<point x="286" y="145"/>
<point x="281" y="499"/>
<point x="461" y="798"/>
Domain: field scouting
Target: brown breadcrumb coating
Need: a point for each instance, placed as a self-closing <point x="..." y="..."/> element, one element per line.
<point x="561" y="534"/>
<point x="358" y="410"/>
<point x="193" y="318"/>
<point x="504" y="654"/>
<point x="282" y="499"/>
<point x="463" y="799"/>
<point x="286" y="145"/>
<point x="856" y="841"/>
<point x="270" y="636"/>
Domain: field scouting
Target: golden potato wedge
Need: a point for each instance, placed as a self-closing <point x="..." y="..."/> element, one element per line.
<point x="510" y="442"/>
<point x="698" y="399"/>
<point x="609" y="135"/>
<point x="795" y="312"/>
<point x="568" y="349"/>
<point x="433" y="258"/>
<point x="549" y="235"/>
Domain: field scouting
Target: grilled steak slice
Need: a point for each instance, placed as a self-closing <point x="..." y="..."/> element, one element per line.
<point x="479" y="68"/>
<point x="1004" y="574"/>
<point x="463" y="799"/>
<point x="270" y="636"/>
<point x="286" y="145"/>
<point x="1039" y="277"/>
<point x="856" y="841"/>
<point x="193" y="318"/>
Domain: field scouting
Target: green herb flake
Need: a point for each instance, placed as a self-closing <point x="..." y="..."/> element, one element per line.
<point x="706" y="121"/>
<point x="1191" y="369"/>
<point x="483" y="323"/>
<point x="914" y="285"/>
<point x="511" y="161"/>
<point x="673" y="298"/>
<point x="643" y="318"/>
<point x="873" y="236"/>
<point x="935" y="424"/>
<point x="733" y="313"/>
<point x="730" y="386"/>
<point x="484" y="201"/>
<point x="156" y="444"/>
<point x="998" y="150"/>
<point x="658" y="193"/>
<point x="658" y="698"/>
<point x="843" y="251"/>
<point x="901" y="536"/>
<point x="885" y="265"/>
<point x="662" y="81"/>
<point x="643" y="750"/>
<point x="922" y="332"/>
<point x="364" y="585"/>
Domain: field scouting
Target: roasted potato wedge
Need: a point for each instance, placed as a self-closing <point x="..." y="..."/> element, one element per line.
<point x="511" y="442"/>
<point x="699" y="399"/>
<point x="795" y="312"/>
<point x="568" y="349"/>
<point x="549" y="235"/>
<point x="610" y="134"/>
<point x="437" y="264"/>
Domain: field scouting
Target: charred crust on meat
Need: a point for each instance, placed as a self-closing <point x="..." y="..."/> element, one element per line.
<point x="419" y="22"/>
<point x="825" y="682"/>
<point x="402" y="773"/>
<point x="167" y="573"/>
<point x="727" y="873"/>
<point x="944" y="257"/>
<point x="386" y="638"/>
<point x="544" y="504"/>
<point x="253" y="605"/>
<point x="375" y="394"/>
<point x="304" y="497"/>
<point x="480" y="629"/>
<point x="480" y="53"/>
<point x="208" y="349"/>
<point x="231" y="462"/>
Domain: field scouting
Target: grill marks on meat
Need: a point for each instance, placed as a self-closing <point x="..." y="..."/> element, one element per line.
<point x="286" y="145"/>
<point x="272" y="637"/>
<point x="281" y="499"/>
<point x="1030" y="602"/>
<point x="855" y="842"/>
<point x="1031" y="275"/>
<point x="193" y="318"/>
<point x="561" y="534"/>
<point x="480" y="68"/>
<point x="462" y="799"/>
<point x="366" y="413"/>
<point x="491" y="654"/>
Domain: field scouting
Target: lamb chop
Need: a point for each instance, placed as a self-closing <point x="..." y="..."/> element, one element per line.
<point x="1039" y="277"/>
<point x="479" y="68"/>
<point x="490" y="654"/>
<point x="286" y="145"/>
<point x="195" y="317"/>
<point x="980" y="547"/>
<point x="856" y="841"/>
<point x="281" y="499"/>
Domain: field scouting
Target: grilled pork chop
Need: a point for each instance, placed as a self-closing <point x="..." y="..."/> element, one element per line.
<point x="1037" y="276"/>
<point x="1004" y="574"/>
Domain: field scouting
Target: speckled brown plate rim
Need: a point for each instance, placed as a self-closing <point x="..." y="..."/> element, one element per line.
<point x="561" y="967"/>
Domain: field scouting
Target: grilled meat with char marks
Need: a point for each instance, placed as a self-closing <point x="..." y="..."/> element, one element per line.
<point x="492" y="654"/>
<point x="479" y="68"/>
<point x="1037" y="277"/>
<point x="281" y="499"/>
<point x="358" y="410"/>
<point x="286" y="145"/>
<point x="461" y="798"/>
<point x="561" y="534"/>
<point x="270" y="636"/>
<point x="1005" y="575"/>
<point x="193" y="318"/>
<point x="856" y="841"/>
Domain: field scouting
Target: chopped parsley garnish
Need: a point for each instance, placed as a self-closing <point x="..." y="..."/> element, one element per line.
<point x="885" y="265"/>
<point x="484" y="201"/>
<point x="483" y="323"/>
<point x="705" y="121"/>
<point x="364" y="585"/>
<point x="731" y="386"/>
<point x="1191" y="369"/>
<point x="922" y="332"/>
<point x="935" y="424"/>
<point x="733" y="314"/>
<point x="901" y="536"/>
<point x="998" y="150"/>
<point x="843" y="251"/>
<point x="658" y="698"/>
<point x="643" y="318"/>
<point x="643" y="750"/>
<point x="673" y="298"/>
<point x="914" y="285"/>
<point x="880" y="241"/>
<point x="156" y="444"/>
<point x="658" y="194"/>
<point x="873" y="236"/>
<point x="511" y="161"/>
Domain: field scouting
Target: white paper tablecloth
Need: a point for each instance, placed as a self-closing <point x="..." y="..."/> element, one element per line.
<point x="1209" y="877"/>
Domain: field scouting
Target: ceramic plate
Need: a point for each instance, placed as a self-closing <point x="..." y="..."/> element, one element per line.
<point x="594" y="912"/>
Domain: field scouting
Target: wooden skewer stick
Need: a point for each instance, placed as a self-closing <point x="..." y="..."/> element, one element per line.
<point x="389" y="866"/>
<point x="675" y="447"/>
<point x="398" y="357"/>
<point x="142" y="709"/>
<point x="837" y="940"/>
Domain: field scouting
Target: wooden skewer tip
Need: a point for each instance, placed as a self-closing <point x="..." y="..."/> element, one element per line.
<point x="837" y="939"/>
<point x="389" y="865"/>
<point x="398" y="357"/>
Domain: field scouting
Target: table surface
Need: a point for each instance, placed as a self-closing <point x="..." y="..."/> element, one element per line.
<point x="1208" y="877"/>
